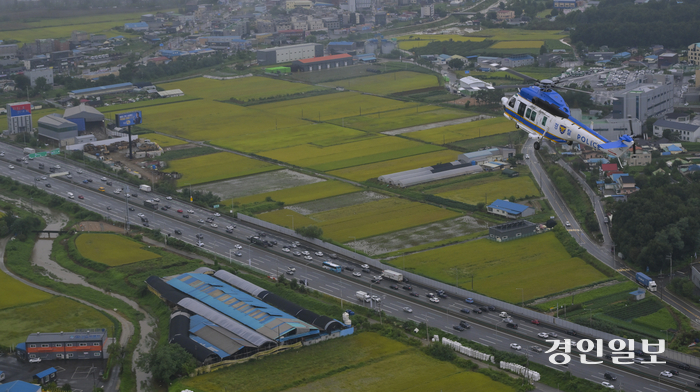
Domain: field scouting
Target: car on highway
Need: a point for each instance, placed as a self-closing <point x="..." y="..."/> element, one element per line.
<point x="477" y="311"/>
<point x="357" y="274"/>
<point x="200" y="221"/>
<point x="607" y="385"/>
<point x="71" y="176"/>
<point x="319" y="254"/>
<point x="536" y="322"/>
<point x="376" y="298"/>
<point x="394" y="287"/>
<point x="180" y="211"/>
<point x="239" y="254"/>
<point x="37" y="179"/>
<point x="567" y="224"/>
<point x="81" y="197"/>
<point x="103" y="179"/>
<point x="34" y="360"/>
<point x="571" y="332"/>
<point x="215" y="214"/>
<point x="168" y="198"/>
<point x="484" y="308"/>
<point x="674" y="372"/>
<point x="365" y="266"/>
<point x="229" y="231"/>
<point x="190" y="211"/>
<point x="469" y="300"/>
<point x="80" y="171"/>
<point x="238" y="246"/>
<point x="85" y="181"/>
<point x="375" y="281"/>
<point x="435" y="299"/>
<point x="297" y="253"/>
<point x="199" y="236"/>
<point x="491" y="308"/>
<point x="458" y="328"/>
<point x="214" y="225"/>
<point x="348" y="268"/>
<point x="407" y="309"/>
<point x="466" y="310"/>
<point x="464" y="324"/>
<point x="536" y="349"/>
<point x="408" y="287"/>
<point x="140" y="215"/>
<point x="43" y="178"/>
<point x="666" y="373"/>
<point x="108" y="183"/>
<point x="48" y="185"/>
<point x="515" y="346"/>
<point x="543" y="335"/>
<point x="366" y="270"/>
<point x="89" y="180"/>
<point x="109" y="208"/>
<point x="2" y="154"/>
<point x="157" y="200"/>
<point x="414" y="294"/>
<point x="11" y="167"/>
<point x="178" y="231"/>
<point x="308" y="258"/>
<point x="185" y="216"/>
<point x="57" y="166"/>
<point x="286" y="250"/>
<point x="231" y="227"/>
<point x="553" y="334"/>
<point x="132" y="209"/>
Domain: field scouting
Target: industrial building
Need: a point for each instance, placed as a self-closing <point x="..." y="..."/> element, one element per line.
<point x="34" y="74"/>
<point x="319" y="63"/>
<point x="102" y="90"/>
<point x="86" y="117"/>
<point x="432" y="173"/>
<point x="495" y="153"/>
<point x="341" y="47"/>
<point x="685" y="131"/>
<point x="19" y="117"/>
<point x="285" y="54"/>
<point x="651" y="96"/>
<point x="383" y="46"/>
<point x="56" y="130"/>
<point x="220" y="316"/>
<point x="87" y="344"/>
<point x="509" y="210"/>
<point x="519" y="60"/>
<point x="512" y="230"/>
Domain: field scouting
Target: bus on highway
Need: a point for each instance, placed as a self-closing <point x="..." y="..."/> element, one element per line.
<point x="331" y="266"/>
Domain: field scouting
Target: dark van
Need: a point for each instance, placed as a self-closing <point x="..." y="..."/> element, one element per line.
<point x="610" y="376"/>
<point x="512" y="325"/>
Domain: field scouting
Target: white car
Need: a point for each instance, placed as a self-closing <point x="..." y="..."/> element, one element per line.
<point x="285" y="250"/>
<point x="214" y="225"/>
<point x="80" y="171"/>
<point x="293" y="245"/>
<point x="666" y="373"/>
<point x="515" y="346"/>
<point x="376" y="298"/>
<point x="117" y="192"/>
<point x="308" y="258"/>
<point x="103" y="179"/>
<point x="434" y="299"/>
<point x="319" y="254"/>
<point x="356" y="274"/>
<point x="57" y="166"/>
<point x="190" y="211"/>
<point x="237" y="246"/>
<point x="364" y="266"/>
<point x="140" y="215"/>
<point x="408" y="310"/>
<point x="553" y="334"/>
<point x="201" y="221"/>
<point x="607" y="385"/>
<point x="230" y="227"/>
<point x="43" y="177"/>
<point x="567" y="224"/>
<point x="2" y="154"/>
<point x="12" y="167"/>
<point x="34" y="360"/>
<point x="305" y="253"/>
<point x="239" y="254"/>
<point x="168" y="198"/>
<point x="157" y="200"/>
<point x="543" y="335"/>
<point x="296" y="254"/>
<point x="217" y="214"/>
<point x="69" y="176"/>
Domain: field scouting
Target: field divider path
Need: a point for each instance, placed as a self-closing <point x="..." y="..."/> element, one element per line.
<point x="435" y="125"/>
<point x="127" y="326"/>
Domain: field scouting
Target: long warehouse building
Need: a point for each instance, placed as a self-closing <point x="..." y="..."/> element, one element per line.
<point x="284" y="54"/>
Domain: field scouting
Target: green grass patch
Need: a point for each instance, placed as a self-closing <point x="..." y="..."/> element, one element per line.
<point x="538" y="264"/>
<point x="485" y="188"/>
<point x="470" y="130"/>
<point x="187" y="153"/>
<point x="215" y="167"/>
<point x="389" y="83"/>
<point x="16" y="293"/>
<point x="642" y="308"/>
<point x="404" y="118"/>
<point x="591" y="295"/>
<point x="300" y="194"/>
<point x="470" y="145"/>
<point x="242" y="89"/>
<point x="366" y="219"/>
<point x="350" y="154"/>
<point x="357" y="362"/>
<point x="111" y="249"/>
<point x="661" y="320"/>
<point x="519" y="34"/>
<point x="374" y="170"/>
<point x="52" y="315"/>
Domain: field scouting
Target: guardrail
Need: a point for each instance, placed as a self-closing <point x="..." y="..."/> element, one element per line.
<point x="674" y="356"/>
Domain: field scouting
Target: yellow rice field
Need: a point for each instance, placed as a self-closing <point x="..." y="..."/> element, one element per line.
<point x="517" y="44"/>
<point x="217" y="166"/>
<point x="470" y="130"/>
<point x="374" y="170"/>
<point x="241" y="89"/>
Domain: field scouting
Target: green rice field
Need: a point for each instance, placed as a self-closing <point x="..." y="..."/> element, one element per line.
<point x="470" y="130"/>
<point x="111" y="249"/>
<point x="218" y="166"/>
<point x="397" y="119"/>
<point x="389" y="83"/>
<point x="374" y="170"/>
<point x="16" y="293"/>
<point x="242" y="89"/>
<point x="487" y="190"/>
<point x="539" y="264"/>
<point x="300" y="194"/>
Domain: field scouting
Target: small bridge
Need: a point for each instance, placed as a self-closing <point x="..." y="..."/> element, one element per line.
<point x="46" y="234"/>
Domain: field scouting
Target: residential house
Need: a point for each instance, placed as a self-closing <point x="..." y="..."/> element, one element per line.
<point x="608" y="168"/>
<point x="686" y="131"/>
<point x="639" y="158"/>
<point x="625" y="185"/>
<point x="505" y="15"/>
<point x="509" y="209"/>
<point x="694" y="54"/>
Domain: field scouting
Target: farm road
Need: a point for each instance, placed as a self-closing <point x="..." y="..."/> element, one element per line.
<point x="436" y="125"/>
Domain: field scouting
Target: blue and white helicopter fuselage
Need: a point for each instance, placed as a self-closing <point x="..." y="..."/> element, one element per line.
<point x="543" y="114"/>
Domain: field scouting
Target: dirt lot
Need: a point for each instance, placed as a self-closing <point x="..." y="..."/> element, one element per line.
<point x="97" y="226"/>
<point x="259" y="183"/>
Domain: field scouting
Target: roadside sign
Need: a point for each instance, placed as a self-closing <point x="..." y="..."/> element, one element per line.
<point x="216" y="206"/>
<point x="41" y="154"/>
<point x="32" y="156"/>
<point x="56" y="151"/>
<point x="127" y="119"/>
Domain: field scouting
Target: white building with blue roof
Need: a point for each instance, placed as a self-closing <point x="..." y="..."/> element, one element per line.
<point x="102" y="90"/>
<point x="509" y="210"/>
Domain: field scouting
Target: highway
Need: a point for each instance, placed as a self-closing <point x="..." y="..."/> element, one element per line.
<point x="487" y="328"/>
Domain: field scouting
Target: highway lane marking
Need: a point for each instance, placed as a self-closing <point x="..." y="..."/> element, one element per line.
<point x="486" y="340"/>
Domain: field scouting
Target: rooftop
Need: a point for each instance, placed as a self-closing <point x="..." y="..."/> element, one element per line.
<point x="512" y="208"/>
<point x="66" y="336"/>
<point x="102" y="88"/>
<point x="325" y="58"/>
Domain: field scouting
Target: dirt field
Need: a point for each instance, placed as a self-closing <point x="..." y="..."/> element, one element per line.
<point x="259" y="183"/>
<point x="97" y="226"/>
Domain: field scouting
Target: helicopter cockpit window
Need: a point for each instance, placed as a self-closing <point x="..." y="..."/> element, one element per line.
<point x="511" y="103"/>
<point x="521" y="109"/>
<point x="544" y="120"/>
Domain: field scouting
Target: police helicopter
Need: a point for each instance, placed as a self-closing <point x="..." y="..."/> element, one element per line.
<point x="542" y="113"/>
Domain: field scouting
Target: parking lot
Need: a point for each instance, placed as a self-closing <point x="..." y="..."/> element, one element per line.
<point x="82" y="375"/>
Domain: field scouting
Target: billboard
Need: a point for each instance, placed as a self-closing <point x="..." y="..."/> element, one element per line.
<point x="21" y="109"/>
<point x="127" y="119"/>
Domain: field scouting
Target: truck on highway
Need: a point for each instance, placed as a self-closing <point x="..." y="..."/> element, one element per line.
<point x="150" y="204"/>
<point x="259" y="241"/>
<point x="646" y="281"/>
<point x="28" y="151"/>
<point x="362" y="296"/>
<point x="145" y="188"/>
<point x="393" y="275"/>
